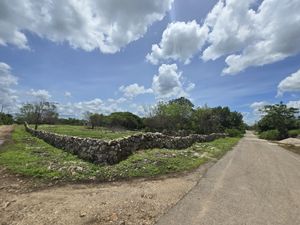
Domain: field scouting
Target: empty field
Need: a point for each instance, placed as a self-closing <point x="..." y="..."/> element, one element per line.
<point x="86" y="132"/>
<point x="30" y="156"/>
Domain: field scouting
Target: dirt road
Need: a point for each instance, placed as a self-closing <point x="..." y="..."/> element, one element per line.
<point x="258" y="183"/>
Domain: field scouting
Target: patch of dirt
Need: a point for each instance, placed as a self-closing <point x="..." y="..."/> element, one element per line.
<point x="291" y="141"/>
<point x="24" y="201"/>
<point x="136" y="202"/>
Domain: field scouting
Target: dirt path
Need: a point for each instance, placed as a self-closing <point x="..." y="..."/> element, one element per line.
<point x="258" y="183"/>
<point x="137" y="202"/>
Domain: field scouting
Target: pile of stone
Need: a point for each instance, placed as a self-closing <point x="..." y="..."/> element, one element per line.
<point x="111" y="152"/>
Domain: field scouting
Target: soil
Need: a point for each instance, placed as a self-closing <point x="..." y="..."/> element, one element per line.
<point x="291" y="141"/>
<point x="25" y="201"/>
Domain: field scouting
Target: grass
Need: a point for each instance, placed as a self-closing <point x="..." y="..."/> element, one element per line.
<point x="29" y="156"/>
<point x="82" y="131"/>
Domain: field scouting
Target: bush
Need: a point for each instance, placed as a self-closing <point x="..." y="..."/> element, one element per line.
<point x="270" y="135"/>
<point x="234" y="132"/>
<point x="294" y="133"/>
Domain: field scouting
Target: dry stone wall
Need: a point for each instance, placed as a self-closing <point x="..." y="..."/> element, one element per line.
<point x="111" y="152"/>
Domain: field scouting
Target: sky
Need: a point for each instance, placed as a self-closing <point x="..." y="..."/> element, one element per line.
<point x="126" y="55"/>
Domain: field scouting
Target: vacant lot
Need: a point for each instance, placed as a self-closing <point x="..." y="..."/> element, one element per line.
<point x="30" y="156"/>
<point x="37" y="197"/>
<point x="83" y="131"/>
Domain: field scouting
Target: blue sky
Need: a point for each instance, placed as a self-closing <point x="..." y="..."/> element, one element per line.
<point x="100" y="63"/>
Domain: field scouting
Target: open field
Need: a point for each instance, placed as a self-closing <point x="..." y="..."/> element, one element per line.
<point x="29" y="156"/>
<point x="83" y="131"/>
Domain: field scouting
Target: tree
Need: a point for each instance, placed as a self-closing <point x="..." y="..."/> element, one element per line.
<point x="96" y="120"/>
<point x="126" y="120"/>
<point x="172" y="116"/>
<point x="279" y="117"/>
<point x="6" y="119"/>
<point x="38" y="113"/>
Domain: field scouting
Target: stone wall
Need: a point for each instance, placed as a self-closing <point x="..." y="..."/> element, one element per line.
<point x="111" y="152"/>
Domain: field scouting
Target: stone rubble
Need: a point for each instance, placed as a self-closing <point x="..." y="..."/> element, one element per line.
<point x="111" y="152"/>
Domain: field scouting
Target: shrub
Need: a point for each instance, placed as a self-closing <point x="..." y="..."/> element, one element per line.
<point x="294" y="133"/>
<point x="234" y="132"/>
<point x="270" y="135"/>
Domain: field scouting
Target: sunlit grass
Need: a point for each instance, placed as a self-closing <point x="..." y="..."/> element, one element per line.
<point x="30" y="156"/>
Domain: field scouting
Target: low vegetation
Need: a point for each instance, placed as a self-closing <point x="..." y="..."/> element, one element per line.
<point x="6" y="119"/>
<point x="271" y="135"/>
<point x="278" y="122"/>
<point x="294" y="133"/>
<point x="86" y="132"/>
<point x="30" y="156"/>
<point x="175" y="117"/>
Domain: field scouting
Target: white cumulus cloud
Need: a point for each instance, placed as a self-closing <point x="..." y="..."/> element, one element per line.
<point x="90" y="24"/>
<point x="294" y="104"/>
<point x="169" y="82"/>
<point x="42" y="95"/>
<point x="8" y="97"/>
<point x="134" y="90"/>
<point x="258" y="106"/>
<point x="290" y="83"/>
<point x="180" y="41"/>
<point x="97" y="105"/>
<point x="253" y="37"/>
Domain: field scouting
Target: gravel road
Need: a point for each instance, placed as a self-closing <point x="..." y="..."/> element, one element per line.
<point x="258" y="183"/>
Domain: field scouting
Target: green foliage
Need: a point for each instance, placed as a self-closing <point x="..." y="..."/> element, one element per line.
<point x="85" y="132"/>
<point x="234" y="132"/>
<point x="70" y="121"/>
<point x="6" y="119"/>
<point x="270" y="135"/>
<point x="126" y="120"/>
<point x="294" y="133"/>
<point x="179" y="114"/>
<point x="30" y="156"/>
<point x="96" y="120"/>
<point x="172" y="115"/>
<point x="279" y="117"/>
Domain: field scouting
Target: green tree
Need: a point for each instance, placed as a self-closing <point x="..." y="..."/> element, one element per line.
<point x="279" y="117"/>
<point x="173" y="115"/>
<point x="6" y="119"/>
<point x="126" y="120"/>
<point x="96" y="120"/>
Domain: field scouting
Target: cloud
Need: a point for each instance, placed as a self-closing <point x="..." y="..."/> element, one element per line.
<point x="68" y="94"/>
<point x="77" y="109"/>
<point x="252" y="37"/>
<point x="249" y="33"/>
<point x="180" y="41"/>
<point x="90" y="24"/>
<point x="257" y="106"/>
<point x="294" y="104"/>
<point x="168" y="82"/>
<point x="41" y="95"/>
<point x="134" y="90"/>
<point x="8" y="97"/>
<point x="290" y="84"/>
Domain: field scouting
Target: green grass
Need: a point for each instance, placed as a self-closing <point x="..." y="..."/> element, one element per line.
<point x="294" y="133"/>
<point x="30" y="156"/>
<point x="82" y="131"/>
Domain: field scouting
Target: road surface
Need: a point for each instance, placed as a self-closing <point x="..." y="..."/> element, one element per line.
<point x="258" y="183"/>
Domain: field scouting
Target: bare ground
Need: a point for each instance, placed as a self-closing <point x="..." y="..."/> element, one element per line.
<point x="140" y="201"/>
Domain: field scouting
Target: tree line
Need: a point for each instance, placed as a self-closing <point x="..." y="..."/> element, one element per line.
<point x="278" y="122"/>
<point x="172" y="116"/>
